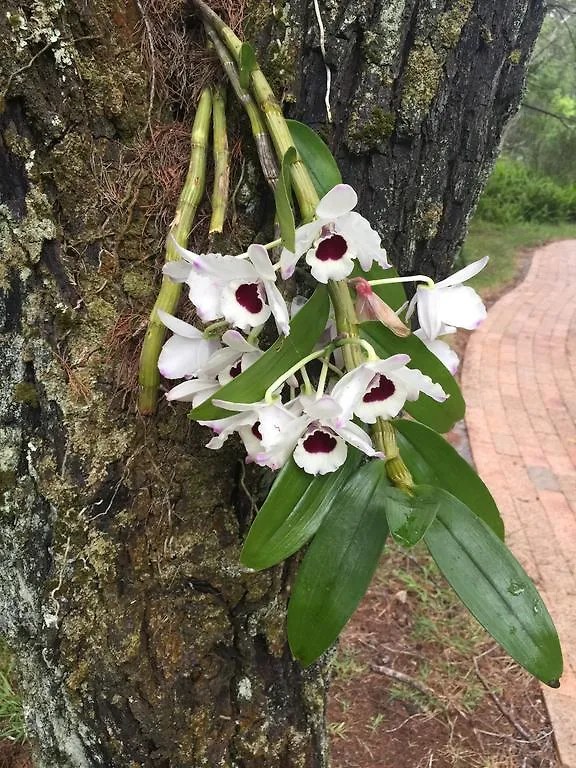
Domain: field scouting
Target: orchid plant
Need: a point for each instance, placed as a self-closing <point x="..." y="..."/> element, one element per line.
<point x="347" y="404"/>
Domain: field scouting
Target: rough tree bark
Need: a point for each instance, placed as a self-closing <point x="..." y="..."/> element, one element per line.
<point x="139" y="640"/>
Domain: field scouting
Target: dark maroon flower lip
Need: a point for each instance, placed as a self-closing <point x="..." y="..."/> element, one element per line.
<point x="236" y="369"/>
<point x="380" y="391"/>
<point x="248" y="296"/>
<point x="256" y="430"/>
<point x="332" y="248"/>
<point x="319" y="441"/>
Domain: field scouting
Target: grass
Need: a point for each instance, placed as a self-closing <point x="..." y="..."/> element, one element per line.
<point x="503" y="243"/>
<point x="11" y="715"/>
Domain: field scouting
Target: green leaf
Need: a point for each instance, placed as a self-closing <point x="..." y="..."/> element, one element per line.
<point x="433" y="461"/>
<point x="495" y="588"/>
<point x="292" y="513"/>
<point x="305" y="330"/>
<point x="409" y="517"/>
<point x="316" y="157"/>
<point x="439" y="416"/>
<point x="393" y="294"/>
<point x="283" y="196"/>
<point x="338" y="566"/>
<point x="248" y="64"/>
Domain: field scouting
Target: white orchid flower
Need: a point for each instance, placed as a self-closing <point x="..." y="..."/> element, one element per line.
<point x="316" y="431"/>
<point x="449" y="302"/>
<point x="184" y="354"/>
<point x="234" y="358"/>
<point x="242" y="290"/>
<point x="334" y="239"/>
<point x="380" y="388"/>
<point x="194" y="391"/>
<point x="440" y="349"/>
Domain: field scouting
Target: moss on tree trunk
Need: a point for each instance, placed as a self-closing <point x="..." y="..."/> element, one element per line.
<point x="140" y="641"/>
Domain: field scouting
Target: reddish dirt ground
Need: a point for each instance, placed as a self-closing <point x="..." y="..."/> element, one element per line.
<point x="465" y="705"/>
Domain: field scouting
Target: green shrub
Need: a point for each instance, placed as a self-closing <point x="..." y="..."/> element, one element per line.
<point x="515" y="194"/>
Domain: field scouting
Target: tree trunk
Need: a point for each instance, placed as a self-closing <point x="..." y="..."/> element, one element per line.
<point x="140" y="641"/>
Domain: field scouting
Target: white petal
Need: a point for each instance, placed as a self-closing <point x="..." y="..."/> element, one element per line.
<point x="464" y="274"/>
<point x="349" y="391"/>
<point x="230" y="406"/>
<point x="236" y="314"/>
<point x="278" y="307"/>
<point x="411" y="306"/>
<point x="177" y="271"/>
<point x="194" y="391"/>
<point x="322" y="408"/>
<point x="225" y="427"/>
<point x="184" y="357"/>
<point x="205" y="294"/>
<point x="441" y="350"/>
<point x="220" y="360"/>
<point x="415" y="382"/>
<point x="320" y="462"/>
<point x="178" y="326"/>
<point x="429" y="302"/>
<point x="388" y="365"/>
<point x="357" y="437"/>
<point x="305" y="236"/>
<point x="259" y="257"/>
<point x="224" y="268"/>
<point x="340" y="200"/>
<point x="461" y="306"/>
<point x="297" y="304"/>
<point x="361" y="238"/>
<point x="329" y="270"/>
<point x="235" y="340"/>
<point x="251" y="442"/>
<point x="184" y="253"/>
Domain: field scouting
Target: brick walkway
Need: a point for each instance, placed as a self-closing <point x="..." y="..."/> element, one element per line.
<point x="519" y="381"/>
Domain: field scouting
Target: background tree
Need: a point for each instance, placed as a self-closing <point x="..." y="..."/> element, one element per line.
<point x="543" y="135"/>
<point x="139" y="640"/>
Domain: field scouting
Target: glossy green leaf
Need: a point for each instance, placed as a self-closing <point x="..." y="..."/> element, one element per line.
<point x="305" y="330"/>
<point x="433" y="461"/>
<point x="292" y="513"/>
<point x="316" y="157"/>
<point x="283" y="197"/>
<point x="393" y="294"/>
<point x="495" y="588"/>
<point x="409" y="517"/>
<point x="439" y="416"/>
<point x="248" y="64"/>
<point x="338" y="566"/>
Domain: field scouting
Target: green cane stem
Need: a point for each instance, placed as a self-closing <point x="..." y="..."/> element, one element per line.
<point x="221" y="161"/>
<point x="277" y="126"/>
<point x="169" y="294"/>
<point x="261" y="138"/>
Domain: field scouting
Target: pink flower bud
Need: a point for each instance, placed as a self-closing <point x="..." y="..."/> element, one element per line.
<point x="369" y="306"/>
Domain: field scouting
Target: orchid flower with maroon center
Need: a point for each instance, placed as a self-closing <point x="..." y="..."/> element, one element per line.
<point x="449" y="302"/>
<point x="380" y="388"/>
<point x="241" y="289"/>
<point x="369" y="306"/>
<point x="236" y="356"/>
<point x="184" y="354"/>
<point x="337" y="236"/>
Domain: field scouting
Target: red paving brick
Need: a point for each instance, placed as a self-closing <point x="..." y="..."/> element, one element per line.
<point x="519" y="377"/>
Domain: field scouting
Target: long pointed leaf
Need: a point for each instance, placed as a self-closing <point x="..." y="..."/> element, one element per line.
<point x="316" y="157"/>
<point x="305" y="330"/>
<point x="292" y="513"/>
<point x="433" y="461"/>
<point x="495" y="588"/>
<point x="337" y="569"/>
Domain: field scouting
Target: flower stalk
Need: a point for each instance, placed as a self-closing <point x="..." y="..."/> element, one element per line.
<point x="169" y="294"/>
<point x="221" y="161"/>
